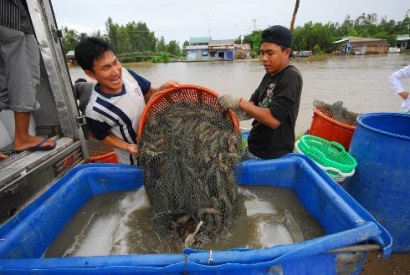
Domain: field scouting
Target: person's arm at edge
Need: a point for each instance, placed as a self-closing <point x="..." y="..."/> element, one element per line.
<point x="395" y="83"/>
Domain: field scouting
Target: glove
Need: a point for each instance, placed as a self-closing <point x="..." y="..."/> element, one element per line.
<point x="241" y="115"/>
<point x="406" y="104"/>
<point x="232" y="102"/>
<point x="229" y="101"/>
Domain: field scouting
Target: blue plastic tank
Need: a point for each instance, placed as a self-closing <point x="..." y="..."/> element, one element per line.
<point x="381" y="183"/>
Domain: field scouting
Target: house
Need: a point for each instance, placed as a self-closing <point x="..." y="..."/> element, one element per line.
<point x="198" y="49"/>
<point x="362" y="45"/>
<point x="222" y="49"/>
<point x="206" y="49"/>
<point x="243" y="51"/>
<point x="70" y="57"/>
<point x="403" y="41"/>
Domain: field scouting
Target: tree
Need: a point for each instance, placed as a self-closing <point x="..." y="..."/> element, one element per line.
<point x="69" y="40"/>
<point x="173" y="48"/>
<point x="112" y="31"/>
<point x="161" y="45"/>
<point x="238" y="40"/>
<point x="256" y="41"/>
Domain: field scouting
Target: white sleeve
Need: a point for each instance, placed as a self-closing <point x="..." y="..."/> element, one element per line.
<point x="395" y="78"/>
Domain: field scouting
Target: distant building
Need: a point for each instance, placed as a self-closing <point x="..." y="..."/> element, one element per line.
<point x="403" y="41"/>
<point x="198" y="49"/>
<point x="70" y="57"/>
<point x="205" y="49"/>
<point x="242" y="51"/>
<point x="362" y="45"/>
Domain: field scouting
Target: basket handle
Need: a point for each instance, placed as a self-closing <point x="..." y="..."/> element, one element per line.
<point x="337" y="146"/>
<point x="313" y="150"/>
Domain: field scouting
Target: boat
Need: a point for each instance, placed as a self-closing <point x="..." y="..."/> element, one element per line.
<point x="302" y="53"/>
<point x="41" y="191"/>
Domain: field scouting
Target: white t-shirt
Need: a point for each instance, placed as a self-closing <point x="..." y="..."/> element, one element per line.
<point x="118" y="114"/>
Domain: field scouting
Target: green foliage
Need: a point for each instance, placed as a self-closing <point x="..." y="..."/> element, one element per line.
<point x="135" y="42"/>
<point x="365" y="25"/>
<point x="254" y="40"/>
<point x="163" y="58"/>
<point x="317" y="50"/>
<point x="173" y="48"/>
<point x="70" y="39"/>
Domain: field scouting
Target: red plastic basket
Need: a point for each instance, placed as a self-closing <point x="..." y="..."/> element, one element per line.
<point x="100" y="153"/>
<point x="183" y="93"/>
<point x="330" y="129"/>
<point x="110" y="157"/>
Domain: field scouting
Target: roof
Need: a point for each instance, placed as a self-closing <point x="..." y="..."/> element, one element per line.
<point x="244" y="47"/>
<point x="219" y="43"/>
<point x="197" y="47"/>
<point x="341" y="40"/>
<point x="403" y="37"/>
<point x="70" y="54"/>
<point x="353" y="39"/>
<point x="199" y="40"/>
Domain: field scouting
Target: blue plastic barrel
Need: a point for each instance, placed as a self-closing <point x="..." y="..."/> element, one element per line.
<point x="381" y="183"/>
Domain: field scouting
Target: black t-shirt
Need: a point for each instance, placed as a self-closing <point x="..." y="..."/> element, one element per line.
<point x="281" y="94"/>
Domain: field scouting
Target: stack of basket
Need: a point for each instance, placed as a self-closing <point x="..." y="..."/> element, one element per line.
<point x="330" y="156"/>
<point x="333" y="122"/>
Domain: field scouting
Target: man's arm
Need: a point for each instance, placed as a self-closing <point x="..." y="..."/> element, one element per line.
<point x="113" y="141"/>
<point x="263" y="115"/>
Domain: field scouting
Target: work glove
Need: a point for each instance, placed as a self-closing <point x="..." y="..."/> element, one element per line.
<point x="229" y="101"/>
<point x="406" y="104"/>
<point x="232" y="102"/>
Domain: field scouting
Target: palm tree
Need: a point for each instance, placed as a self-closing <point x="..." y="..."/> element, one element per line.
<point x="295" y="11"/>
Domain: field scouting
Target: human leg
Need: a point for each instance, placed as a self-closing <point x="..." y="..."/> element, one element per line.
<point x="21" y="58"/>
<point x="22" y="139"/>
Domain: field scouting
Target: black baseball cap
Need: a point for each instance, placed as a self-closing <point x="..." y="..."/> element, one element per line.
<point x="277" y="34"/>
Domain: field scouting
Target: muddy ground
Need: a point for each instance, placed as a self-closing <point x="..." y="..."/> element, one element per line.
<point x="397" y="264"/>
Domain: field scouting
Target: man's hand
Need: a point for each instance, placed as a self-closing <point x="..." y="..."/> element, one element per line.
<point x="169" y="84"/>
<point x="229" y="101"/>
<point x="132" y="149"/>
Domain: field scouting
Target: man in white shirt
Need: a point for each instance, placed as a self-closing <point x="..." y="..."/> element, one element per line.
<point x="397" y="87"/>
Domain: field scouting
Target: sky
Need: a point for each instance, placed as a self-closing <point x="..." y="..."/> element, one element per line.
<point x="181" y="19"/>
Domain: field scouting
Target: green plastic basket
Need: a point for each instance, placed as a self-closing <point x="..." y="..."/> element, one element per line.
<point x="327" y="153"/>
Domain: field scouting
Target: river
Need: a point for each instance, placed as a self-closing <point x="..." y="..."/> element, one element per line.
<point x="361" y="82"/>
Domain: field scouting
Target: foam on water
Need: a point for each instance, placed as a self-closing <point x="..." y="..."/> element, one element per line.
<point x="120" y="224"/>
<point x="256" y="206"/>
<point x="98" y="241"/>
<point x="128" y="205"/>
<point x="273" y="233"/>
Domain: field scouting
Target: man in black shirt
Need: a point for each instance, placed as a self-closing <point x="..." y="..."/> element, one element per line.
<point x="274" y="105"/>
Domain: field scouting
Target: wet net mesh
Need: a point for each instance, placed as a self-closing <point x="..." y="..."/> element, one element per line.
<point x="190" y="148"/>
<point x="337" y="112"/>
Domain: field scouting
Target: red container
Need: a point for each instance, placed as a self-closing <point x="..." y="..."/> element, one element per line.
<point x="110" y="157"/>
<point x="330" y="129"/>
<point x="98" y="152"/>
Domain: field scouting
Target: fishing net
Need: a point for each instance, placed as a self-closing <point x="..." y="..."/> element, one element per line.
<point x="189" y="148"/>
<point x="337" y="112"/>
